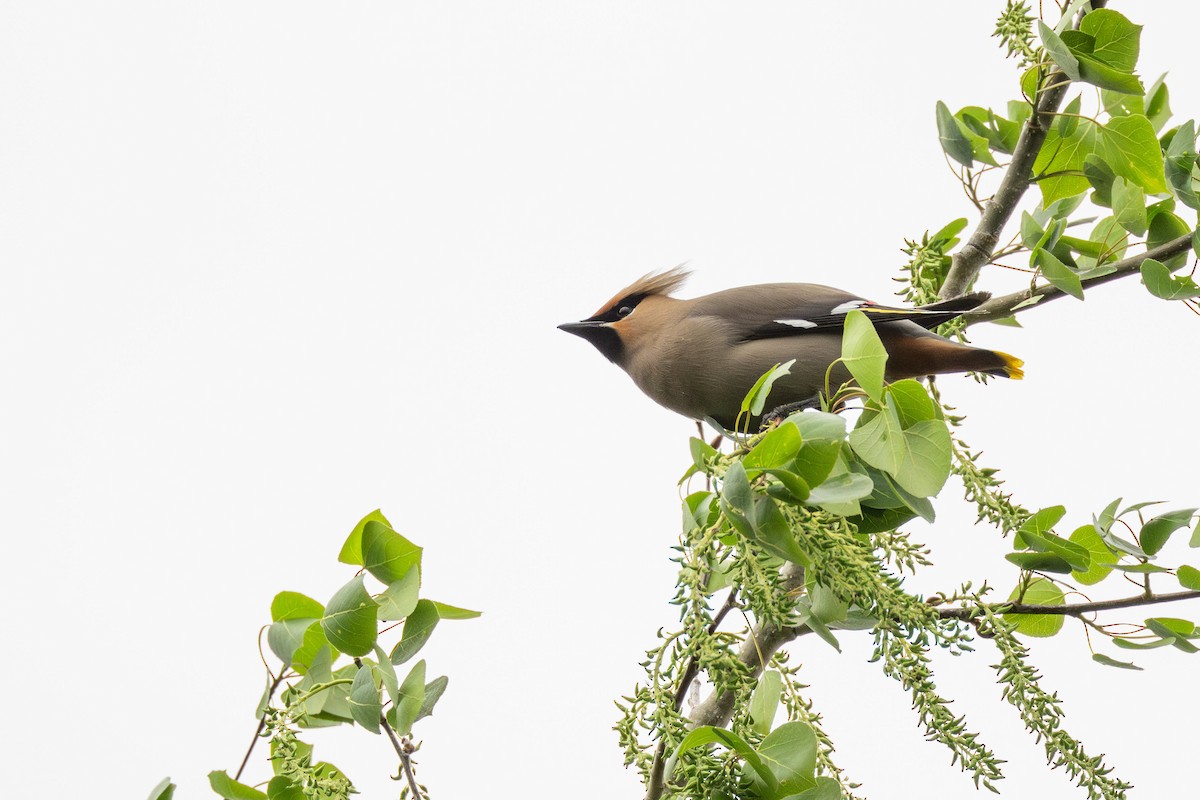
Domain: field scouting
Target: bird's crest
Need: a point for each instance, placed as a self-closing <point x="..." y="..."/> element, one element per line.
<point x="663" y="282"/>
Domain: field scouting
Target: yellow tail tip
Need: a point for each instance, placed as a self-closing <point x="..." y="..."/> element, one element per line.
<point x="1012" y="365"/>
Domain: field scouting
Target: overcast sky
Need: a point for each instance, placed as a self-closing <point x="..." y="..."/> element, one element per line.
<point x="265" y="267"/>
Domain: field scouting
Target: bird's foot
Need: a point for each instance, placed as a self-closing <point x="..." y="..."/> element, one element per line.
<point x="780" y="413"/>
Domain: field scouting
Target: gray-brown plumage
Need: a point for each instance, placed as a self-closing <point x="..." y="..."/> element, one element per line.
<point x="699" y="357"/>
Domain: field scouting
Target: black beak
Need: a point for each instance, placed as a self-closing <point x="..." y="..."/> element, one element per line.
<point x="585" y="329"/>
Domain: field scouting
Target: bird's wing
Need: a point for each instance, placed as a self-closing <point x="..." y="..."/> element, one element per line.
<point x="778" y="310"/>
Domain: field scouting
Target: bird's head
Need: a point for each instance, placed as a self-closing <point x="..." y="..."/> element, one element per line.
<point x="609" y="328"/>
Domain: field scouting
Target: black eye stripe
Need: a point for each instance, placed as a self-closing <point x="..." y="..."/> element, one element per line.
<point x="620" y="309"/>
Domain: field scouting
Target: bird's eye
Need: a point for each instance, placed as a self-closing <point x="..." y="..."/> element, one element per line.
<point x="624" y="311"/>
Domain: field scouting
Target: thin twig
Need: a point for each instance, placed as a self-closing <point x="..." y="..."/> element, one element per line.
<point x="1070" y="609"/>
<point x="262" y="723"/>
<point x="405" y="759"/>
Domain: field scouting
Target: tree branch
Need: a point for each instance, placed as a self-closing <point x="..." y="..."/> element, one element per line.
<point x="977" y="251"/>
<point x="762" y="643"/>
<point x="1071" y="609"/>
<point x="1006" y="305"/>
<point x="764" y="640"/>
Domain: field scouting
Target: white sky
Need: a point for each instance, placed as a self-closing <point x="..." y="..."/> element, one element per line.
<point x="268" y="266"/>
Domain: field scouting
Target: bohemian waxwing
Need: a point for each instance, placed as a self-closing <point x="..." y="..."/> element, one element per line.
<point x="700" y="357"/>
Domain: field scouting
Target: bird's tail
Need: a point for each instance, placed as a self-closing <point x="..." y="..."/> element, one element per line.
<point x="1011" y="366"/>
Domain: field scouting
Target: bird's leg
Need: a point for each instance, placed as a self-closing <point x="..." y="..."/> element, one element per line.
<point x="780" y="413"/>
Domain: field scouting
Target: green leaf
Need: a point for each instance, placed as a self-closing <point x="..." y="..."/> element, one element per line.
<point x="454" y="612"/>
<point x="386" y="554"/>
<point x="821" y="435"/>
<point x="165" y="790"/>
<point x="1040" y="562"/>
<point x="973" y="123"/>
<point x="1138" y="569"/>
<point x="387" y="674"/>
<point x="877" y="520"/>
<point x="954" y="140"/>
<point x="282" y="787"/>
<point x="756" y="399"/>
<point x="1097" y="73"/>
<point x="349" y="622"/>
<point x="1100" y="658"/>
<point x="1058" y="51"/>
<point x="1177" y="630"/>
<point x="765" y="701"/>
<point x="1180" y="165"/>
<point x="880" y="440"/>
<point x="1129" y="206"/>
<point x="230" y="789"/>
<point x="1128" y="644"/>
<point x="365" y="705"/>
<point x="418" y="627"/>
<point x="777" y="448"/>
<point x="1041" y="592"/>
<point x="791" y="488"/>
<point x="286" y="637"/>
<point x="825" y="789"/>
<point x="1077" y="556"/>
<point x="1188" y="577"/>
<point x="1059" y="274"/>
<point x="1161" y="283"/>
<point x="848" y="487"/>
<point x="1171" y="626"/>
<point x="702" y="453"/>
<point x="1112" y="238"/>
<point x="1166" y="227"/>
<point x="926" y="464"/>
<point x="1119" y="104"/>
<point x="433" y="692"/>
<point x="400" y="597"/>
<point x="863" y="354"/>
<point x="1157" y="103"/>
<point x="736" y="491"/>
<point x="1060" y="162"/>
<point x="1068" y="119"/>
<point x="790" y="752"/>
<point x="1086" y="537"/>
<point x="707" y="734"/>
<point x="1043" y="521"/>
<point x="314" y="642"/>
<point x="352" y="549"/>
<point x="1157" y="531"/>
<point x="1131" y="148"/>
<point x="1116" y="39"/>
<point x="912" y="402"/>
<point x="1100" y="175"/>
<point x="772" y="531"/>
<point x="412" y="698"/>
<point x="293" y="605"/>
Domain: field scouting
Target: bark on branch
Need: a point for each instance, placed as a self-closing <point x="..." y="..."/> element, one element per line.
<point x="977" y="251"/>
<point x="1006" y="305"/>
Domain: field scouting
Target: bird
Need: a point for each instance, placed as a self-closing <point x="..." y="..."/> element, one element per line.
<point x="699" y="357"/>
